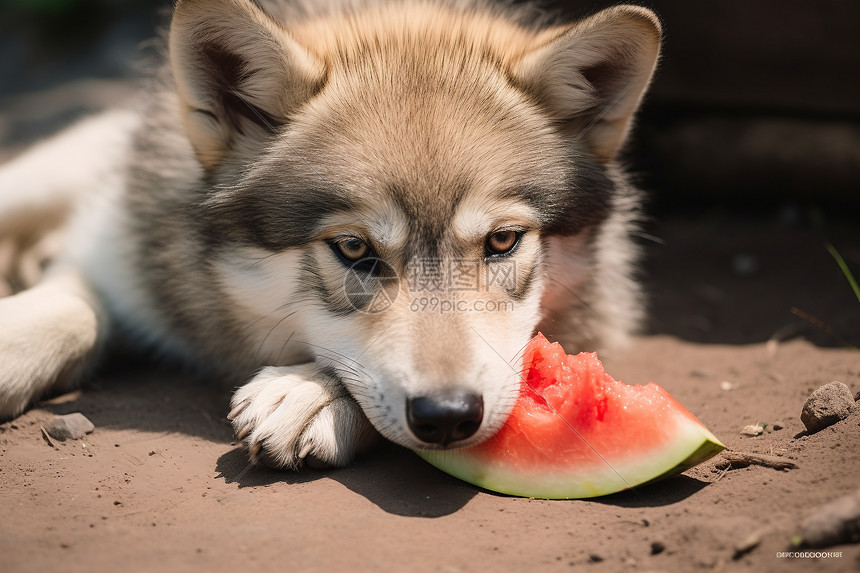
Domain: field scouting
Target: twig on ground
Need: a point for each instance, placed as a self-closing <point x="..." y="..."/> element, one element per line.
<point x="47" y="437"/>
<point x="743" y="459"/>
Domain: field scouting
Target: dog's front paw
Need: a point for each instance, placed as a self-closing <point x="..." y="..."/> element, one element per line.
<point x="297" y="415"/>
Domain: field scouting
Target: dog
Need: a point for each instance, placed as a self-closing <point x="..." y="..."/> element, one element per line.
<point x="362" y="211"/>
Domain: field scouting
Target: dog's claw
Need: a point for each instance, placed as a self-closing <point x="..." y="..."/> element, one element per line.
<point x="303" y="453"/>
<point x="240" y="407"/>
<point x="241" y="434"/>
<point x="254" y="450"/>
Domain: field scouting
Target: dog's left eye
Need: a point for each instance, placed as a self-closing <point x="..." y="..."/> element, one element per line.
<point x="351" y="249"/>
<point x="501" y="243"/>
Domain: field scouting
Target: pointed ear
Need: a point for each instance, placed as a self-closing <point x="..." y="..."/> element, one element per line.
<point x="591" y="75"/>
<point x="239" y="75"/>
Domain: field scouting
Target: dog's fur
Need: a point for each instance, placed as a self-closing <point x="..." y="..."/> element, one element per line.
<point x="202" y="223"/>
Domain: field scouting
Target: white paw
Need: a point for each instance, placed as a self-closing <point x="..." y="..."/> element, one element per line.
<point x="290" y="416"/>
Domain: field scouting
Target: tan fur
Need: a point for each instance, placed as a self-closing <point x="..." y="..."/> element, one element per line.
<point x="625" y="38"/>
<point x="245" y="30"/>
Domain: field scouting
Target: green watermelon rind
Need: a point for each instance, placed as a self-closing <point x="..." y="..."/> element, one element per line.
<point x="692" y="445"/>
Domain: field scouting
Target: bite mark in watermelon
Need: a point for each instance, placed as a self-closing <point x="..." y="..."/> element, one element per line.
<point x="576" y="432"/>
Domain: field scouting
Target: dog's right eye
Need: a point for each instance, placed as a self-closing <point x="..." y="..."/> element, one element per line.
<point x="502" y="243"/>
<point x="351" y="249"/>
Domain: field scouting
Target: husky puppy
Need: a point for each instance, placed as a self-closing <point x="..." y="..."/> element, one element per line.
<point x="361" y="211"/>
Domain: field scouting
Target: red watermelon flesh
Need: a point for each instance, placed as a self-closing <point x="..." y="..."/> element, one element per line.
<point x="576" y="432"/>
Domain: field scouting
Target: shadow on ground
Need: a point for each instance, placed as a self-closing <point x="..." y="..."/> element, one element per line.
<point x="151" y="400"/>
<point x="664" y="492"/>
<point x="394" y="479"/>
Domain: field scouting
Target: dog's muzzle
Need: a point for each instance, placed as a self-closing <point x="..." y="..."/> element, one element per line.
<point x="445" y="418"/>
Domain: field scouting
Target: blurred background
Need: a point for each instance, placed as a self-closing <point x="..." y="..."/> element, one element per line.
<point x="748" y="143"/>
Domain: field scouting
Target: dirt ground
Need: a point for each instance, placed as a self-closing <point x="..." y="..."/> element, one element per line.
<point x="162" y="485"/>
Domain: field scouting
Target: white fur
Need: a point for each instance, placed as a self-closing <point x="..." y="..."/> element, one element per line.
<point x="55" y="175"/>
<point x="41" y="189"/>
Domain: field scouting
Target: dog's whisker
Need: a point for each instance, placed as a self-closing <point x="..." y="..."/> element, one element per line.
<point x="258" y="261"/>
<point x="284" y="347"/>
<point x="519" y="353"/>
<point x="332" y="351"/>
<point x="351" y="379"/>
<point x="335" y="363"/>
<point x="276" y="325"/>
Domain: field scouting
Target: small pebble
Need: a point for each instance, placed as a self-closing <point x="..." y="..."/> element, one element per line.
<point x="826" y="406"/>
<point x="657" y="547"/>
<point x="752" y="430"/>
<point x="725" y="385"/>
<point x="69" y="427"/>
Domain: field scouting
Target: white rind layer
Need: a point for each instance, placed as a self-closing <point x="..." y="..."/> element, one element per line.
<point x="693" y="444"/>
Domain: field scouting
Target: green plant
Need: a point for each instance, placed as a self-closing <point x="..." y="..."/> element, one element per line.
<point x="845" y="270"/>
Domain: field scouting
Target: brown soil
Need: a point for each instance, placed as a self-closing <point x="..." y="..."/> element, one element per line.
<point x="161" y="485"/>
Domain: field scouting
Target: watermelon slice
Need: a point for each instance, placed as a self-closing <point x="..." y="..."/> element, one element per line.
<point x="575" y="432"/>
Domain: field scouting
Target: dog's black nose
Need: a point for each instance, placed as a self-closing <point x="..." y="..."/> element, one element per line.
<point x="445" y="418"/>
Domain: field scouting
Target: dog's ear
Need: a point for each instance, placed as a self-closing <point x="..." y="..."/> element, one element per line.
<point x="239" y="75"/>
<point x="591" y="75"/>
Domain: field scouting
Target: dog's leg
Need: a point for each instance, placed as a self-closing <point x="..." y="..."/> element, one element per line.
<point x="49" y="336"/>
<point x="297" y="415"/>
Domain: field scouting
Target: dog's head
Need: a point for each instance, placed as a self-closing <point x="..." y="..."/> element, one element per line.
<point x="390" y="180"/>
